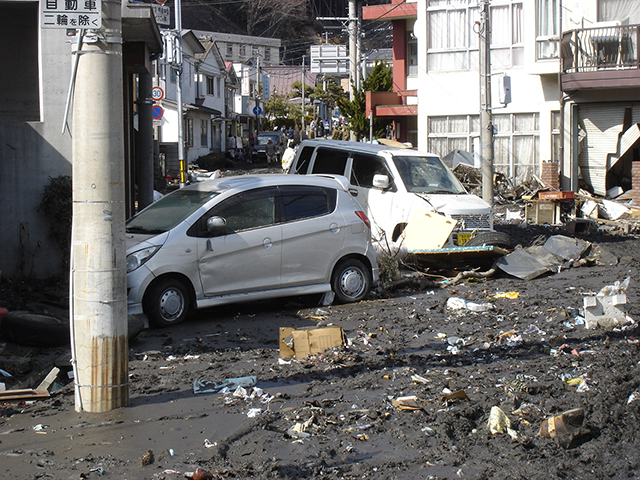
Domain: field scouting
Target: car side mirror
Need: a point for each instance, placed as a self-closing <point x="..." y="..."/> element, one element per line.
<point x="215" y="224"/>
<point x="381" y="181"/>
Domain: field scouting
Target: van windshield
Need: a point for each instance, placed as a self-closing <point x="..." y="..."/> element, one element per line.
<point x="427" y="175"/>
<point x="263" y="140"/>
<point x="168" y="212"/>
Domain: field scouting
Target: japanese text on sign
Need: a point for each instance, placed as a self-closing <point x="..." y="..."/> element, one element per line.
<point x="71" y="14"/>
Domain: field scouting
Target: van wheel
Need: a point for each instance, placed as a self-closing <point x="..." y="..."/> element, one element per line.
<point x="494" y="239"/>
<point x="166" y="302"/>
<point x="351" y="281"/>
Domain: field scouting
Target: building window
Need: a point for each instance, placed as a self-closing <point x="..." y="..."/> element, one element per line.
<point x="218" y="89"/>
<point x="210" y="86"/>
<point x="453" y="39"/>
<point x="188" y="132"/>
<point x="267" y="54"/>
<point x="243" y="50"/>
<point x="229" y="49"/>
<point x="204" y="132"/>
<point x="547" y="29"/>
<point x="454" y="132"/>
<point x="555" y="136"/>
<point x="412" y="54"/>
<point x="516" y="146"/>
<point x="256" y="52"/>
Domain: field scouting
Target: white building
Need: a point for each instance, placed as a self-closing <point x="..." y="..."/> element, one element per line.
<point x="203" y="98"/>
<point x="436" y="73"/>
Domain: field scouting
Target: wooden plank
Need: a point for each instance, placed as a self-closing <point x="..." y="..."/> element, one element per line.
<point x="24" y="394"/>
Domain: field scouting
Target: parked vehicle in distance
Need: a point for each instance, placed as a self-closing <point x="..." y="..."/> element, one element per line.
<point x="260" y="147"/>
<point x="392" y="183"/>
<point x="250" y="237"/>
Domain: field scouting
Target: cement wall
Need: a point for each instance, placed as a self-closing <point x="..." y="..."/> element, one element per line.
<point x="33" y="151"/>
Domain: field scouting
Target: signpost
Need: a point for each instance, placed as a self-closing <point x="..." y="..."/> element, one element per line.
<point x="257" y="111"/>
<point x="157" y="93"/>
<point x="71" y="14"/>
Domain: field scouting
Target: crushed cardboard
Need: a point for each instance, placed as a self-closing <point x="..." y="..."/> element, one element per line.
<point x="300" y="343"/>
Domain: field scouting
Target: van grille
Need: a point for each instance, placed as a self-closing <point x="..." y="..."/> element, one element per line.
<point x="472" y="222"/>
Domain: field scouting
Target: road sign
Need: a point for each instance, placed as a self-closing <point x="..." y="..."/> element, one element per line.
<point x="71" y="14"/>
<point x="157" y="93"/>
<point x="162" y="14"/>
<point x="157" y="112"/>
<point x="257" y="110"/>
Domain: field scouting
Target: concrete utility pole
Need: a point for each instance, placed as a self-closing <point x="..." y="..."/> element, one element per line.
<point x="353" y="49"/>
<point x="178" y="67"/>
<point x="304" y="104"/>
<point x="98" y="266"/>
<point x="258" y="95"/>
<point x="486" y="125"/>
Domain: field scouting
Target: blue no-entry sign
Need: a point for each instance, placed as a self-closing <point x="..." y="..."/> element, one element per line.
<point x="157" y="111"/>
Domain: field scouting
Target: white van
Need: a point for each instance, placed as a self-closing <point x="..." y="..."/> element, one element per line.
<point x="393" y="183"/>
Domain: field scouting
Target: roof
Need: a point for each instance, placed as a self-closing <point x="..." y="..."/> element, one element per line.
<point x="370" y="148"/>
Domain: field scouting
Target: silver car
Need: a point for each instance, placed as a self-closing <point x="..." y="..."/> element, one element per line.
<point x="246" y="238"/>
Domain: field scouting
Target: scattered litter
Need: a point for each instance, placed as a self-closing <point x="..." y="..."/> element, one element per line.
<point x="419" y="379"/>
<point x="509" y="295"/>
<point x="459" y="395"/>
<point x="633" y="397"/>
<point x="299" y="430"/>
<point x="406" y="403"/>
<point x="254" y="412"/>
<point x="4" y="373"/>
<point x="98" y="470"/>
<point x="208" y="444"/>
<point x="200" y="474"/>
<point x="204" y="386"/>
<point x="455" y="303"/>
<point x="308" y="341"/>
<point x="608" y="308"/>
<point x="562" y="424"/>
<point x="499" y="423"/>
<point x="147" y="458"/>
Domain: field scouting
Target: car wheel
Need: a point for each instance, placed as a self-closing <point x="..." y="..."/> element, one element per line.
<point x="494" y="239"/>
<point x="351" y="281"/>
<point x="166" y="302"/>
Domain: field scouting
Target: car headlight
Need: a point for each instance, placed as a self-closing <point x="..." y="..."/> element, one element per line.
<point x="139" y="257"/>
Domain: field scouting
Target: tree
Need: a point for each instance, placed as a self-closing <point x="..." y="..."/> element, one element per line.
<point x="379" y="80"/>
<point x="269" y="17"/>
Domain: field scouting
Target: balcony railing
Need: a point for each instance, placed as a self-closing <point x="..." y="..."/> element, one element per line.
<point x="606" y="46"/>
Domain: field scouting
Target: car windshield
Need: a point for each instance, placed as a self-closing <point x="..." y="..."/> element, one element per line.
<point x="427" y="175"/>
<point x="263" y="140"/>
<point x="169" y="211"/>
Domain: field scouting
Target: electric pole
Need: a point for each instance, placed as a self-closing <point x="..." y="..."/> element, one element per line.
<point x="486" y="124"/>
<point x="98" y="283"/>
<point x="353" y="49"/>
<point x="178" y="67"/>
<point x="304" y="105"/>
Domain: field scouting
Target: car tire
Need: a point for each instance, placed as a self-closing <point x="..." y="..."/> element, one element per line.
<point x="494" y="239"/>
<point x="34" y="329"/>
<point x="166" y="302"/>
<point x="351" y="281"/>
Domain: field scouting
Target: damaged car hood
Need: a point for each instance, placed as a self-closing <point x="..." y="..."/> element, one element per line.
<point x="455" y="205"/>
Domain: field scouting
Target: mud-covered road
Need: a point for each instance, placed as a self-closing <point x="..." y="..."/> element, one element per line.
<point x="337" y="415"/>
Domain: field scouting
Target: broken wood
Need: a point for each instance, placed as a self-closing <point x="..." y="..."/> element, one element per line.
<point x="24" y="394"/>
<point x="471" y="274"/>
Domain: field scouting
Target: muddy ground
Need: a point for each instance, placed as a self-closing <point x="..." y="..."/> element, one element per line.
<point x="529" y="355"/>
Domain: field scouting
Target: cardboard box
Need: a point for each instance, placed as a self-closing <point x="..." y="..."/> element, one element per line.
<point x="308" y="341"/>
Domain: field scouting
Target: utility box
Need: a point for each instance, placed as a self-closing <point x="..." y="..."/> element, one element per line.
<point x="542" y="211"/>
